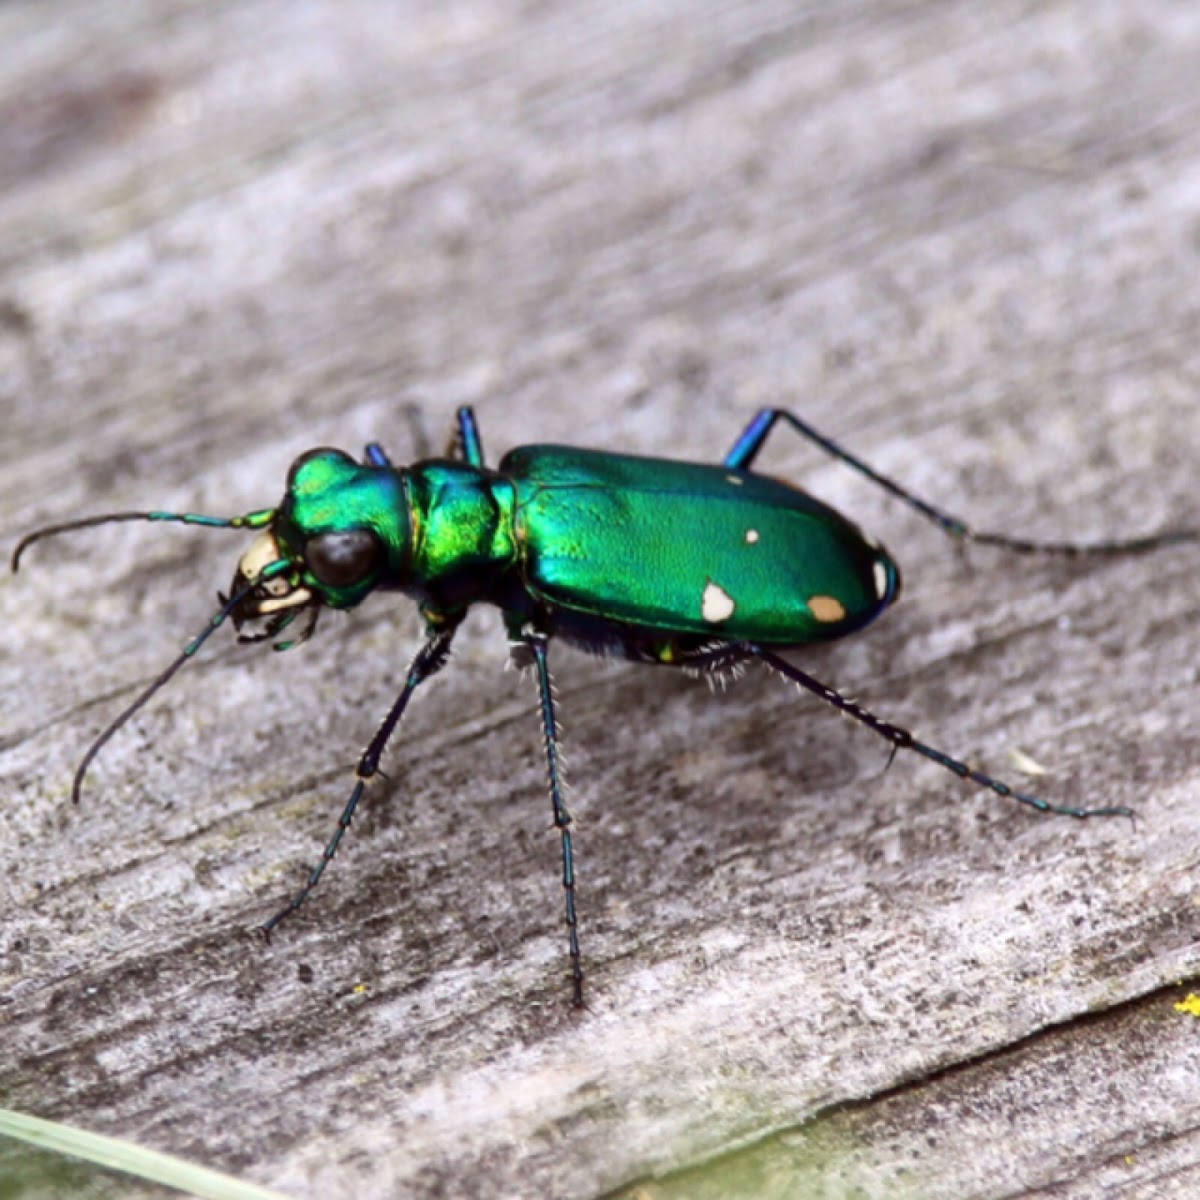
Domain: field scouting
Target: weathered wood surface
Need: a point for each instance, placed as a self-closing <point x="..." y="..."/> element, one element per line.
<point x="961" y="237"/>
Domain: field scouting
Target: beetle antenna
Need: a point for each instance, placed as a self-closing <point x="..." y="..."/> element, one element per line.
<point x="253" y="520"/>
<point x="188" y="652"/>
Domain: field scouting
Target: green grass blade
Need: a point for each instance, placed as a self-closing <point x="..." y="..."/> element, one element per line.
<point x="118" y="1155"/>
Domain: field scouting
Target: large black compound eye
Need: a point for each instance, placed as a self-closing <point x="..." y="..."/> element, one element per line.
<point x="342" y="559"/>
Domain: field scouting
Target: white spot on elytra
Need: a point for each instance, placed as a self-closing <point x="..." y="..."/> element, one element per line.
<point x="736" y="480"/>
<point x="881" y="579"/>
<point x="751" y="536"/>
<point x="716" y="604"/>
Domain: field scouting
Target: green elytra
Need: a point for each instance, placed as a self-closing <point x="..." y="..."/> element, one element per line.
<point x="701" y="566"/>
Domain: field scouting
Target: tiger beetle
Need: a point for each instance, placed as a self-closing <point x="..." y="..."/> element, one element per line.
<point x="703" y="567"/>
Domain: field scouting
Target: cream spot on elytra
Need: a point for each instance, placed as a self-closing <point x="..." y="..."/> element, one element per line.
<point x="751" y="536"/>
<point x="736" y="480"/>
<point x="716" y="604"/>
<point x="826" y="608"/>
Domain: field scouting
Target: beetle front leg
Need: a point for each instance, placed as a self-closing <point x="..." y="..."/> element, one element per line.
<point x="428" y="660"/>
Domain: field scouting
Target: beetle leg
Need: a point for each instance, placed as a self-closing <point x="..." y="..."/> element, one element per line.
<point x="228" y="608"/>
<point x="902" y="739"/>
<point x="465" y="444"/>
<point x="754" y="436"/>
<point x="428" y="660"/>
<point x="750" y="440"/>
<point x="537" y="642"/>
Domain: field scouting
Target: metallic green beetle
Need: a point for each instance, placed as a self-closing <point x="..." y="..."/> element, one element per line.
<point x="705" y="567"/>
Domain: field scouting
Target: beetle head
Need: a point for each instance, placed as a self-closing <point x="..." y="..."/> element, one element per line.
<point x="342" y="528"/>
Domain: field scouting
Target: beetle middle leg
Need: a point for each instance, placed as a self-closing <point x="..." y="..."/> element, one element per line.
<point x="465" y="443"/>
<point x="536" y="643"/>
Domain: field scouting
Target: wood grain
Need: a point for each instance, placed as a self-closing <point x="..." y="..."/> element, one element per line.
<point x="961" y="238"/>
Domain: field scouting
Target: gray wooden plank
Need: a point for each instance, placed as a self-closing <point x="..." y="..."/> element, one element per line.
<point x="1099" y="1106"/>
<point x="1008" y="1125"/>
<point x="961" y="238"/>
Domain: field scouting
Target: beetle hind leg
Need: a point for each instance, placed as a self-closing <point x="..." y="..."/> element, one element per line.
<point x="901" y="739"/>
<point x="752" y="439"/>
